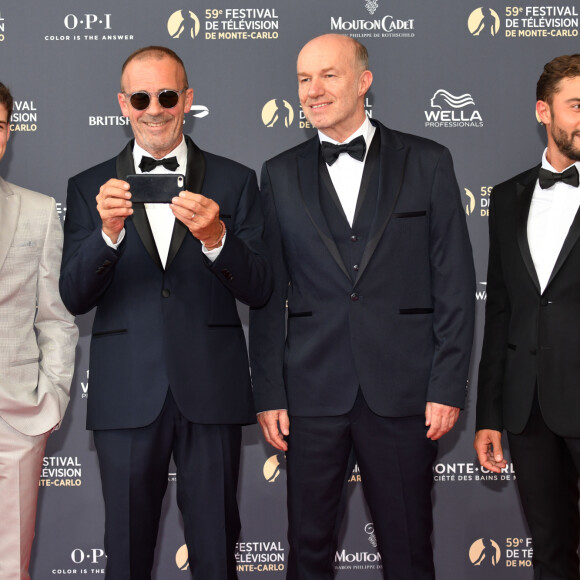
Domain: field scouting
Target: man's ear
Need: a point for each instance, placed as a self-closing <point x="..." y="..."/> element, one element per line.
<point x="543" y="113"/>
<point x="365" y="81"/>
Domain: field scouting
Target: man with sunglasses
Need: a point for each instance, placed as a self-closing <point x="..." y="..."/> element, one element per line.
<point x="169" y="367"/>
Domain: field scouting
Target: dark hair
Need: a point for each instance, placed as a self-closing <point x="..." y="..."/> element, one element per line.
<point x="156" y="52"/>
<point x="6" y="99"/>
<point x="562" y="67"/>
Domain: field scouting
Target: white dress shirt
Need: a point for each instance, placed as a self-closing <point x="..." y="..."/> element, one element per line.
<point x="160" y="216"/>
<point x="346" y="172"/>
<point x="552" y="212"/>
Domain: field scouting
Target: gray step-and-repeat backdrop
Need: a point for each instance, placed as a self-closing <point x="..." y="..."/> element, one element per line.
<point x="458" y="72"/>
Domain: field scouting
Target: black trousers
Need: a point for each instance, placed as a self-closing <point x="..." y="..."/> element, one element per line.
<point x="547" y="468"/>
<point x="134" y="466"/>
<point x="395" y="460"/>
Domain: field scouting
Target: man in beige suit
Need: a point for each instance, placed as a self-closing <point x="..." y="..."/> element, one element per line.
<point x="37" y="346"/>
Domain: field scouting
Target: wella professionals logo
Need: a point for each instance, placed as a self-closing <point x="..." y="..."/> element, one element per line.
<point x="449" y="110"/>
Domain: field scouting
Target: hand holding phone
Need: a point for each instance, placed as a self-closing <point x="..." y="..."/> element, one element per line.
<point x="114" y="206"/>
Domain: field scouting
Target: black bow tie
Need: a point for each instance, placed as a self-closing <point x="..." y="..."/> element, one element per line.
<point x="547" y="178"/>
<point x="148" y="163"/>
<point x="355" y="148"/>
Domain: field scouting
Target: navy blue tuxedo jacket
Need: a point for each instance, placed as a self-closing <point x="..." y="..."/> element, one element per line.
<point x="531" y="337"/>
<point x="403" y="328"/>
<point x="177" y="326"/>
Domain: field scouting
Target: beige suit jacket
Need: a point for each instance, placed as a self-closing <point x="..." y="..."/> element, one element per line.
<point x="37" y="334"/>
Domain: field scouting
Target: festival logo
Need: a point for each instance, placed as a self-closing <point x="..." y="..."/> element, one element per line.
<point x="85" y="382"/>
<point x="225" y="24"/>
<point x="541" y="21"/>
<point x="485" y="553"/>
<point x="183" y="24"/>
<point x="277" y="112"/>
<point x="24" y="117"/>
<point x="483" y="21"/>
<point x="355" y="475"/>
<point x="182" y="558"/>
<point x="61" y="472"/>
<point x="477" y="203"/>
<point x="272" y="467"/>
<point x="471" y="202"/>
<point x="264" y="556"/>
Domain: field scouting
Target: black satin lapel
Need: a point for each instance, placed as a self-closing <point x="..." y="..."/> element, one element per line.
<point x="194" y="176"/>
<point x="524" y="193"/>
<point x="310" y="195"/>
<point x="393" y="164"/>
<point x="126" y="166"/>
<point x="195" y="173"/>
<point x="569" y="243"/>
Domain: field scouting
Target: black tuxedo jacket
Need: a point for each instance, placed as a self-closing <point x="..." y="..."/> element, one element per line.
<point x="530" y="337"/>
<point x="177" y="326"/>
<point x="403" y="329"/>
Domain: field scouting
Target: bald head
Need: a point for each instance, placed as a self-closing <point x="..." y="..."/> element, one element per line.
<point x="346" y="44"/>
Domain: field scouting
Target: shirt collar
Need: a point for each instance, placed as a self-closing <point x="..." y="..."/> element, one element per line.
<point x="546" y="164"/>
<point x="367" y="130"/>
<point x="180" y="152"/>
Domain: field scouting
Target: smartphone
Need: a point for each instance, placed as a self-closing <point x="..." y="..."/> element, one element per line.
<point x="156" y="188"/>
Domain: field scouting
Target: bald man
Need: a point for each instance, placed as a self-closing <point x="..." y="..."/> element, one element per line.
<point x="370" y="252"/>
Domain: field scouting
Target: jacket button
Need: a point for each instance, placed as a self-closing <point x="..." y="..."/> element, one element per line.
<point x="166" y="293"/>
<point x="354" y="238"/>
<point x="544" y="302"/>
<point x="354" y="296"/>
<point x="355" y="267"/>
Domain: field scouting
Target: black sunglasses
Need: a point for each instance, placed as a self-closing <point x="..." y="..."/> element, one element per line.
<point x="167" y="98"/>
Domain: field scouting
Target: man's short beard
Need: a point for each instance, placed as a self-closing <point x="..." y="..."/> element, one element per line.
<point x="565" y="144"/>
